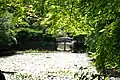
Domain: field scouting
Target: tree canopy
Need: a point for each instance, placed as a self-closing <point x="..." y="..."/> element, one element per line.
<point x="99" y="19"/>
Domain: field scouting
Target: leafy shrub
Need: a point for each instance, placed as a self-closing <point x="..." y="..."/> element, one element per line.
<point x="80" y="37"/>
<point x="7" y="41"/>
<point x="23" y="35"/>
<point x="88" y="73"/>
<point x="32" y="39"/>
<point x="49" y="38"/>
<point x="27" y="34"/>
<point x="78" y="44"/>
<point x="105" y="46"/>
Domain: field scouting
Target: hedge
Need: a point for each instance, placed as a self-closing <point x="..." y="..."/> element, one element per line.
<point x="31" y="39"/>
<point x="79" y="44"/>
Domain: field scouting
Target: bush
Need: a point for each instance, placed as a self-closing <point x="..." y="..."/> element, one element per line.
<point x="7" y="45"/>
<point x="8" y="41"/>
<point x="24" y="35"/>
<point x="32" y="39"/>
<point x="80" y="37"/>
<point x="49" y="38"/>
<point x="78" y="44"/>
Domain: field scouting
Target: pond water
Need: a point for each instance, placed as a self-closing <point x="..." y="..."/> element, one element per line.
<point x="48" y="66"/>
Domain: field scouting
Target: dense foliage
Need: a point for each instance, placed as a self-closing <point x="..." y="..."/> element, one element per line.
<point x="103" y="40"/>
<point x="32" y="39"/>
<point x="98" y="18"/>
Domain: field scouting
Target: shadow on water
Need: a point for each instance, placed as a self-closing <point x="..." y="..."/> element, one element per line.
<point x="9" y="53"/>
<point x="3" y="77"/>
<point x="6" y="54"/>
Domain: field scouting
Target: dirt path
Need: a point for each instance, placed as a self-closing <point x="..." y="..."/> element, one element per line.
<point x="48" y="65"/>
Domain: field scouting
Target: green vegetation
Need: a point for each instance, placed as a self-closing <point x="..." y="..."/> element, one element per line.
<point x="103" y="40"/>
<point x="24" y="76"/>
<point x="38" y="51"/>
<point x="35" y="19"/>
<point x="42" y="76"/>
<point x="33" y="39"/>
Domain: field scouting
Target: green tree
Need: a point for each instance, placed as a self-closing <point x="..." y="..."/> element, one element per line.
<point x="103" y="40"/>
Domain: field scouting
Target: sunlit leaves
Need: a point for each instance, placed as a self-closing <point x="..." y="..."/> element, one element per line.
<point x="103" y="40"/>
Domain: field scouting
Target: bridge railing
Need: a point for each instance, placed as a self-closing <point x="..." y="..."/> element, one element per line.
<point x="64" y="43"/>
